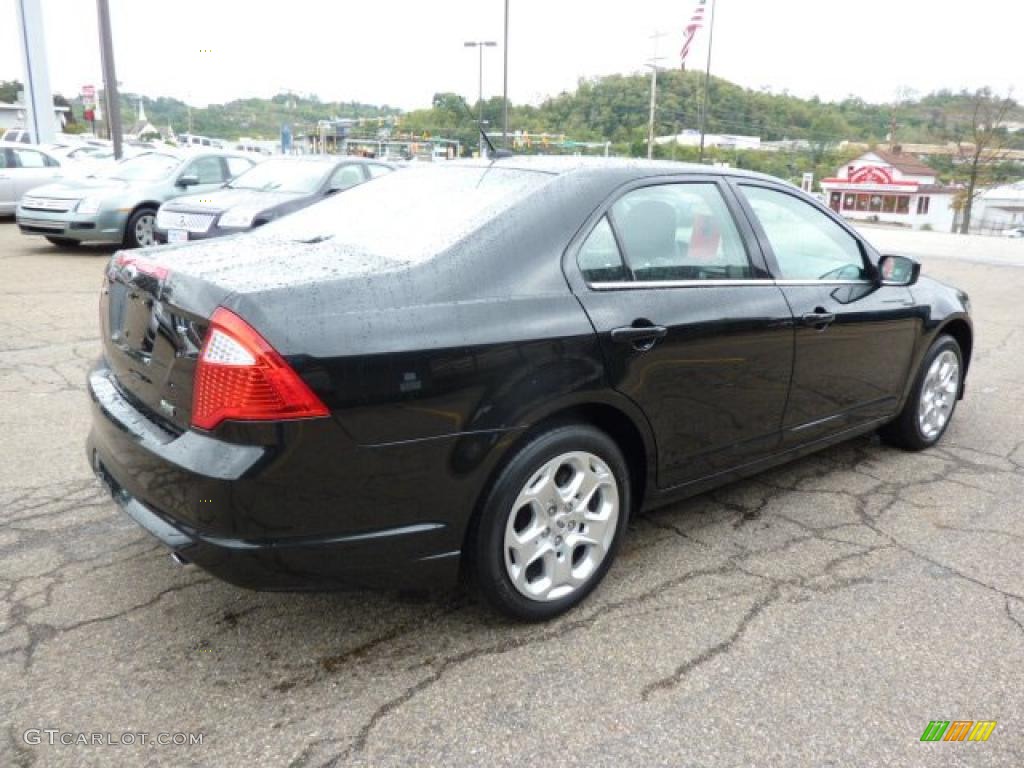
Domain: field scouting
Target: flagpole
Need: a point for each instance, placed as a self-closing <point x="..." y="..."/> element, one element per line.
<point x="707" y="78"/>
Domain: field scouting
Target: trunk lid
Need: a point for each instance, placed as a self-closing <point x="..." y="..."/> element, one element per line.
<point x="152" y="323"/>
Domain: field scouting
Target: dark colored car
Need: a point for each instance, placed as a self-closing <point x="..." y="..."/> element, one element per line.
<point x="489" y="366"/>
<point x="266" y="192"/>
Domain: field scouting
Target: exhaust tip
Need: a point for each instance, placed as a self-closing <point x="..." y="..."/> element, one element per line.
<point x="178" y="559"/>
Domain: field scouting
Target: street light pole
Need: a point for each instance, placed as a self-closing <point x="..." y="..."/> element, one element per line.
<point x="480" y="44"/>
<point x="504" y="89"/>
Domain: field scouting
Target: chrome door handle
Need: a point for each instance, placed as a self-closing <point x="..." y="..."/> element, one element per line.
<point x="819" y="319"/>
<point x="641" y="337"/>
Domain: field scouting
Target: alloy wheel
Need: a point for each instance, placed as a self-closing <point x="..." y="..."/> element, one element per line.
<point x="561" y="526"/>
<point x="144" y="230"/>
<point x="938" y="394"/>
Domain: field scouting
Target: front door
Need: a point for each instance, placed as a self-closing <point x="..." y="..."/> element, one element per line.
<point x="692" y="329"/>
<point x="854" y="337"/>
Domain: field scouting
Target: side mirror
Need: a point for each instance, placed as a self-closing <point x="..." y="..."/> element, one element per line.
<point x="898" y="270"/>
<point x="189" y="180"/>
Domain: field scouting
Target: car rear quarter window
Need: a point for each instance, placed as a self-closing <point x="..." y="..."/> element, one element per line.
<point x="599" y="258"/>
<point x="807" y="244"/>
<point x="681" y="231"/>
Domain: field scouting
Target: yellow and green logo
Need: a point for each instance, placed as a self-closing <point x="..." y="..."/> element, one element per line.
<point x="958" y="730"/>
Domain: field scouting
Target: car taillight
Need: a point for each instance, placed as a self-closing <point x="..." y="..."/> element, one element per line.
<point x="143" y="266"/>
<point x="241" y="377"/>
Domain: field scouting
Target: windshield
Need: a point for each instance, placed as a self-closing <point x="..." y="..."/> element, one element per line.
<point x="282" y="176"/>
<point x="412" y="214"/>
<point x="148" y="167"/>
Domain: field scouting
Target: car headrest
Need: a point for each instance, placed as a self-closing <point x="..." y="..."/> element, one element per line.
<point x="649" y="232"/>
<point x="704" y="238"/>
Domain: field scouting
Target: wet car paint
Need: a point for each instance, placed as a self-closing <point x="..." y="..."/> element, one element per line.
<point x="434" y="368"/>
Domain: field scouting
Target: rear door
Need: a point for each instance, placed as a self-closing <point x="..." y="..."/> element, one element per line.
<point x="32" y="169"/>
<point x="854" y="337"/>
<point x="692" y="328"/>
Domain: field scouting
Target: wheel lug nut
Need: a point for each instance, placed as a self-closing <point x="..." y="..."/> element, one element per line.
<point x="558" y="542"/>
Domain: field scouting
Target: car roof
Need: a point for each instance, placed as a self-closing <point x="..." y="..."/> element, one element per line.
<point x="566" y="164"/>
<point x="22" y="145"/>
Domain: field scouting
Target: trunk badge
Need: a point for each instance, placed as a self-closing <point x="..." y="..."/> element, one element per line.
<point x="167" y="409"/>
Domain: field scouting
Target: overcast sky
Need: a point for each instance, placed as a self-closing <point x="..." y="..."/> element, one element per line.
<point x="400" y="52"/>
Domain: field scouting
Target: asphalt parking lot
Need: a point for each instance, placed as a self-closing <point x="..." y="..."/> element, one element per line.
<point x="821" y="614"/>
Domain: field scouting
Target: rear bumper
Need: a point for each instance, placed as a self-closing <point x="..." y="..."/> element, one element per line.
<point x="148" y="470"/>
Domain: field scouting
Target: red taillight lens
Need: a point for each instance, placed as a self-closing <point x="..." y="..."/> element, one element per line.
<point x="241" y="377"/>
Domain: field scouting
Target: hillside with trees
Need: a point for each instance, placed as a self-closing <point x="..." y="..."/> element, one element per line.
<point x="615" y="108"/>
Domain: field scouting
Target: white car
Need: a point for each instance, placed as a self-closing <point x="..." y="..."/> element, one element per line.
<point x="23" y="167"/>
<point x="1014" y="232"/>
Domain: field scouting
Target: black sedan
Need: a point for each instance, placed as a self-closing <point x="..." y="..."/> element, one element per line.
<point x="486" y="368"/>
<point x="265" y="192"/>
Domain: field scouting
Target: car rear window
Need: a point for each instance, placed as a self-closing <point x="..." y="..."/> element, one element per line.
<point x="412" y="214"/>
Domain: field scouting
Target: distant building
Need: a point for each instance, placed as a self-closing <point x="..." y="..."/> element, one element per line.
<point x="891" y="187"/>
<point x="13" y="116"/>
<point x="999" y="208"/>
<point x="691" y="138"/>
<point x="142" y="126"/>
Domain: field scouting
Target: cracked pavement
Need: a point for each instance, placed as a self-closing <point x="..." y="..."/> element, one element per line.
<point x="819" y="614"/>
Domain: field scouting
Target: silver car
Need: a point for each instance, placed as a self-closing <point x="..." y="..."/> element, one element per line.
<point x="118" y="203"/>
<point x="23" y="168"/>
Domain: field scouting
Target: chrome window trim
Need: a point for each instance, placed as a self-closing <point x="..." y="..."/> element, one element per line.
<point x="621" y="285"/>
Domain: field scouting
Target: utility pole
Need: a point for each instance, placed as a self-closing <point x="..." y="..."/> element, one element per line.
<point x="504" y="88"/>
<point x="481" y="44"/>
<point x="110" y="94"/>
<point x="653" y="64"/>
<point x="707" y="80"/>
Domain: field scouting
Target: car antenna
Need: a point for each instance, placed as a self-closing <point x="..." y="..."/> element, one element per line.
<point x="493" y="154"/>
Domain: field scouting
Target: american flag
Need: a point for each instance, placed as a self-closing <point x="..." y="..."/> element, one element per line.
<point x="695" y="23"/>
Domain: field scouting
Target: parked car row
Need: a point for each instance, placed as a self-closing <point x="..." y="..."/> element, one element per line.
<point x="261" y="194"/>
<point x="118" y="203"/>
<point x="177" y="195"/>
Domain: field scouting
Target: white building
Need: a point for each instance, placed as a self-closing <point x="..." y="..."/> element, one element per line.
<point x="999" y="208"/>
<point x="891" y="187"/>
<point x="691" y="138"/>
<point x="13" y="116"/>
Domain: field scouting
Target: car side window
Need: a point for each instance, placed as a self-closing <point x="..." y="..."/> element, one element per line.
<point x="29" y="158"/>
<point x="377" y="170"/>
<point x="345" y="177"/>
<point x="237" y="165"/>
<point x="207" y="169"/>
<point x="3" y="158"/>
<point x="807" y="244"/>
<point x="599" y="258"/>
<point x="680" y="231"/>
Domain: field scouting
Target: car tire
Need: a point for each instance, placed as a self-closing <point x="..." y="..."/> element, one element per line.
<point x="64" y="242"/>
<point x="932" y="401"/>
<point x="139" y="223"/>
<point x="551" y="524"/>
